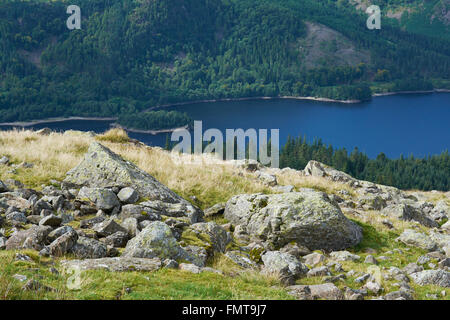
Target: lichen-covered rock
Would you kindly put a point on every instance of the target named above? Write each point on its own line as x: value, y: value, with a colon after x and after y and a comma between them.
x: 128, y: 195
x: 139, y: 212
x: 33, y: 238
x: 62, y: 244
x: 132, y: 226
x: 418, y: 239
x: 87, y: 248
x: 58, y: 232
x: 241, y: 259
x: 104, y: 199
x: 108, y: 227
x: 101, y: 168
x: 313, y: 259
x: 16, y: 217
x: 51, y: 220
x: 209, y: 235
x: 286, y: 266
x: 308, y: 218
x: 446, y: 227
x: 215, y: 210
x: 435, y: 277
x: 326, y: 291
x: 117, y: 264
x: 317, y: 169
x: 155, y: 240
x: 118, y: 239
x: 407, y: 212
x: 344, y: 256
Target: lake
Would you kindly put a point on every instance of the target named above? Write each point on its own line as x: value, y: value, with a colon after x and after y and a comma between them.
x: 417, y: 124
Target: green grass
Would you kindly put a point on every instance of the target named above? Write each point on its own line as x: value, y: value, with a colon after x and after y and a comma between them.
x: 100, y: 284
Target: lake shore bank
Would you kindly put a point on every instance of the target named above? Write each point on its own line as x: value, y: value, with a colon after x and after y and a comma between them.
x: 154, y: 132
x: 52, y: 120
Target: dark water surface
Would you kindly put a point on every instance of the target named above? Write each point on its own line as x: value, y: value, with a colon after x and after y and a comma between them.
x: 417, y: 124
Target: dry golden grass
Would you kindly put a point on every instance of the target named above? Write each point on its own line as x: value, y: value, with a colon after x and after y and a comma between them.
x: 317, y: 183
x: 57, y: 153
x: 116, y: 135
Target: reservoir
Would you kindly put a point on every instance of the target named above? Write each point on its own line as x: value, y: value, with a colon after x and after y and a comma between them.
x: 417, y: 124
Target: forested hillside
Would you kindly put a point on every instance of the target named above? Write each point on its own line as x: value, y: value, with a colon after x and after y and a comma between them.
x: 134, y: 54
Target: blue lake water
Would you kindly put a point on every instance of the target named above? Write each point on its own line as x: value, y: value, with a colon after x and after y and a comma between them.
x: 417, y: 124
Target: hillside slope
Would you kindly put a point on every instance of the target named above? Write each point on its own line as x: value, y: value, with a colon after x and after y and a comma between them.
x: 131, y: 55
x: 379, y: 242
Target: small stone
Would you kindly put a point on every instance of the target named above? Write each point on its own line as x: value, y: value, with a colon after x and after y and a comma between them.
x: 128, y: 195
x: 190, y: 267
x: 313, y: 259
x: 170, y: 264
x: 107, y: 228
x: 370, y: 259
x: 51, y: 220
x: 344, y: 256
x: 319, y: 272
x: 20, y: 277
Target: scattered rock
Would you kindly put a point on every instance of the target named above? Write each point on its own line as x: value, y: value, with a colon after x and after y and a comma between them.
x: 435, y: 277
x: 209, y: 235
x: 117, y: 264
x: 104, y: 199
x: 51, y: 220
x: 215, y: 210
x: 128, y: 195
x: 370, y: 259
x: 33, y: 238
x: 63, y: 244
x: 107, y: 228
x: 284, y: 265
x: 87, y: 248
x: 417, y: 239
x: 326, y: 291
x: 314, y: 259
x: 156, y: 240
x: 344, y: 256
x: 241, y: 259
x: 319, y: 272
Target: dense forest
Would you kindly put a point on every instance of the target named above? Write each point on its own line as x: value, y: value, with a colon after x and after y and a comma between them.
x: 430, y: 173
x: 131, y: 55
x: 155, y: 120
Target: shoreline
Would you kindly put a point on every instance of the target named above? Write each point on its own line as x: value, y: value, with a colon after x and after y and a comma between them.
x: 154, y: 132
x: 51, y: 120
x: 252, y: 98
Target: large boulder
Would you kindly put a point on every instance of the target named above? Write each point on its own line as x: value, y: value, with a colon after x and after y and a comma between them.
x: 102, y: 168
x: 308, y: 218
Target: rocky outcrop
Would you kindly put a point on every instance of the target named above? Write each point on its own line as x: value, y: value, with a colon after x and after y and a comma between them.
x: 308, y: 218
x: 102, y: 168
